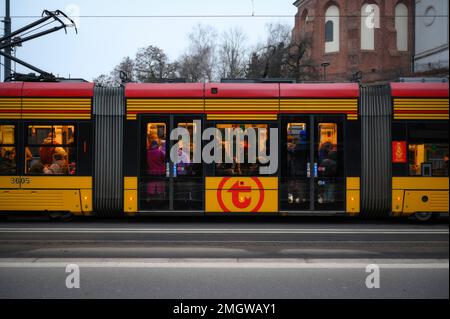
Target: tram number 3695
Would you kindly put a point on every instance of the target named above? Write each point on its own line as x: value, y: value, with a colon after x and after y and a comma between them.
x: 20, y: 180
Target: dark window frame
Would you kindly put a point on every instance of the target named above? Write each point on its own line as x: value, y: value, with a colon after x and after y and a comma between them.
x: 424, y: 140
x: 15, y: 146
x: 169, y: 182
x: 270, y: 124
x: 52, y: 124
x: 198, y: 168
x: 329, y: 31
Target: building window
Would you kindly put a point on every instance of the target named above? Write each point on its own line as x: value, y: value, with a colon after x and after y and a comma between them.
x: 7, y: 150
x: 332, y: 29
x: 50, y: 150
x: 303, y: 20
x: 370, y: 20
x: 329, y: 31
x: 401, y: 26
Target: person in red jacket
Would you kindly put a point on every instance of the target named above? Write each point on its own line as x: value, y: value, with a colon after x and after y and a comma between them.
x: 156, y: 160
x: 156, y: 166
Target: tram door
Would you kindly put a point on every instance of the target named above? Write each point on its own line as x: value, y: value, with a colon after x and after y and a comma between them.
x: 165, y: 185
x: 312, y: 171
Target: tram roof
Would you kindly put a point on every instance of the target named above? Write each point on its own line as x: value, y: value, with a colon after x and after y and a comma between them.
x: 222, y: 90
x: 164, y: 90
x: 420, y: 90
x: 41, y: 89
x: 241, y: 90
x: 319, y: 90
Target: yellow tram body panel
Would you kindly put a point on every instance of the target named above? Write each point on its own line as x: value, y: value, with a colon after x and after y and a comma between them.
x: 419, y: 194
x: 56, y: 108
x: 42, y: 193
x: 130, y: 195
x: 12, y: 108
x: 242, y: 109
x: 241, y: 194
x: 353, y: 195
x: 219, y: 194
x: 349, y: 107
x: 420, y: 109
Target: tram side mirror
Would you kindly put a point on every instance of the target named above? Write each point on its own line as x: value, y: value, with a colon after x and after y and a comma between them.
x: 214, y: 90
x: 426, y: 169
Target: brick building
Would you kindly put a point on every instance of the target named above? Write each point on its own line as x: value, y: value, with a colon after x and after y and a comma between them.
x: 372, y: 37
x: 431, y: 38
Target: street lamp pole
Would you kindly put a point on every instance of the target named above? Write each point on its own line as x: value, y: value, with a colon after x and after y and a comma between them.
x: 324, y: 65
x: 7, y: 21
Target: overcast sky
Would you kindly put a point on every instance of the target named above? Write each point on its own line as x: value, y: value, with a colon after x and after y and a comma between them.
x: 102, y: 42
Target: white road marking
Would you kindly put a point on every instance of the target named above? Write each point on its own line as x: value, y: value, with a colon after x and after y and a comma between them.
x: 254, y: 263
x: 225, y: 231
x: 224, y: 241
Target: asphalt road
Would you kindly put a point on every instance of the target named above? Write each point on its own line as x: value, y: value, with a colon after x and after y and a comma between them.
x: 236, y: 279
x: 224, y: 258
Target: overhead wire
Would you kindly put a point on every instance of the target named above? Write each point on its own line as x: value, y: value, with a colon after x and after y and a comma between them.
x: 37, y: 28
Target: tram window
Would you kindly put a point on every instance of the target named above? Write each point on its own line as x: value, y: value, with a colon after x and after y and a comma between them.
x: 434, y: 155
x: 156, y: 149
x: 51, y: 150
x: 327, y: 162
x: 186, y: 167
x: 241, y: 166
x: 428, y: 132
x: 188, y: 194
x: 297, y: 149
x: 7, y: 150
x: 295, y: 187
x: 428, y: 147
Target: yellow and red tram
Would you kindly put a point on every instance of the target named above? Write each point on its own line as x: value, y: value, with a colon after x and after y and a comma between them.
x: 339, y: 148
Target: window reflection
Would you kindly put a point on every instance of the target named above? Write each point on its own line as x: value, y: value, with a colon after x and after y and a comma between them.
x: 6, y: 134
x: 50, y: 150
x: 154, y: 194
x: 241, y: 166
x: 7, y: 150
x: 428, y: 149
x: 435, y: 156
x: 188, y: 194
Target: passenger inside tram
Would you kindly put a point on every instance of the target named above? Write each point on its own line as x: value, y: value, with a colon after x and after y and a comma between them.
x: 327, y: 163
x: 8, y: 161
x: 155, y: 159
x: 297, y: 161
x: 7, y: 150
x: 50, y: 150
x: 241, y: 166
